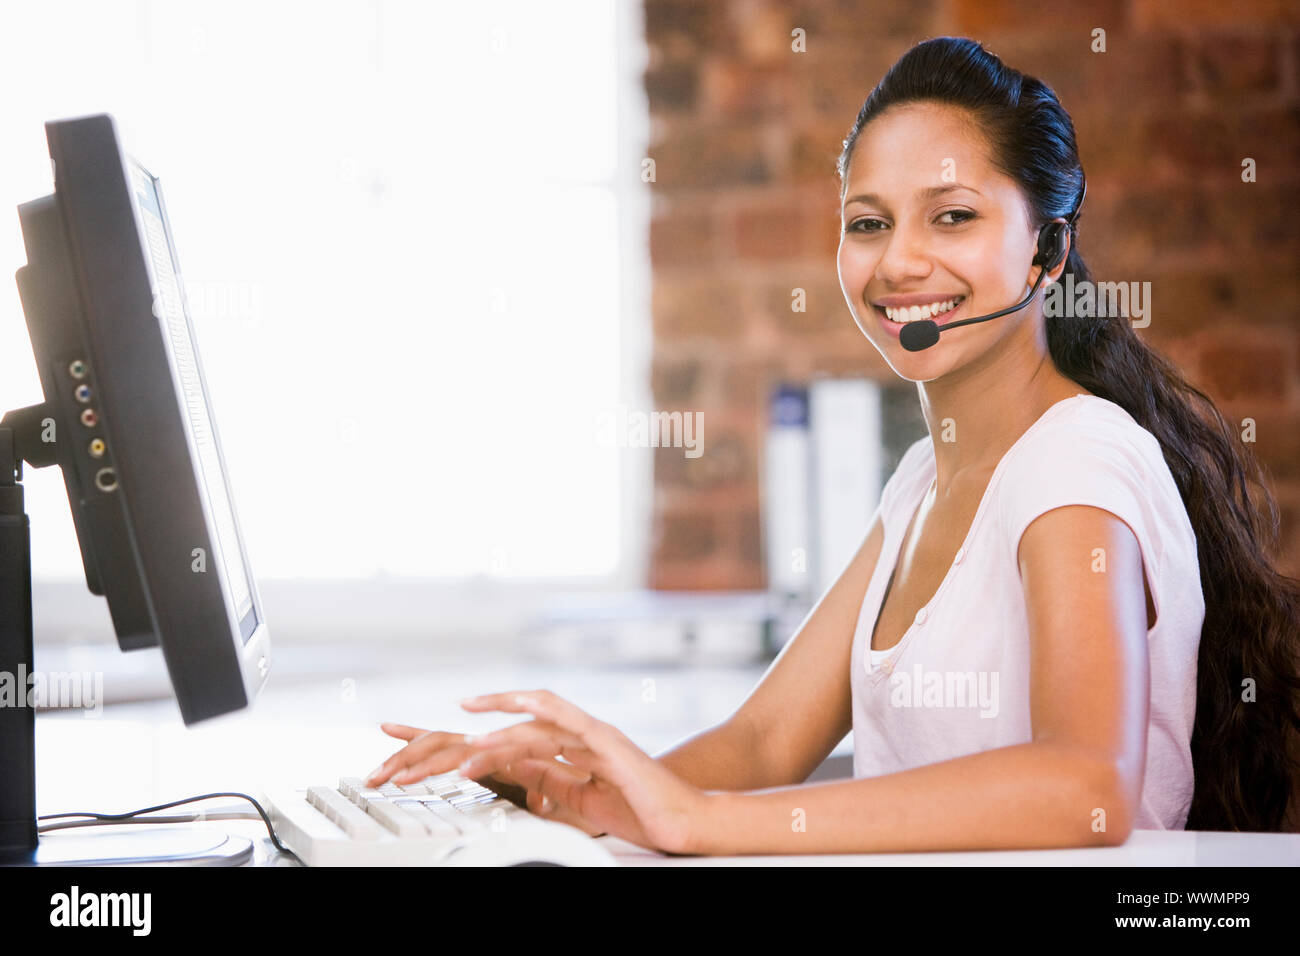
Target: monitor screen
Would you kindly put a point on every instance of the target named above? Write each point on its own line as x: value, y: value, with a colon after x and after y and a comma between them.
x: 170, y: 308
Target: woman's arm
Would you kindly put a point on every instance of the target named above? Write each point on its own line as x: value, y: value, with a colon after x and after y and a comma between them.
x: 724, y: 757
x: 802, y: 706
x: 795, y: 716
x: 1077, y: 783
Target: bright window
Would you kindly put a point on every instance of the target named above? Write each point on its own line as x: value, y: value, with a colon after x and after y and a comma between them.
x: 404, y: 239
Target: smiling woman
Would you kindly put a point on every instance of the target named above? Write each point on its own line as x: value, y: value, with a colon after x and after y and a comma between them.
x: 951, y: 110
x: 1043, y: 637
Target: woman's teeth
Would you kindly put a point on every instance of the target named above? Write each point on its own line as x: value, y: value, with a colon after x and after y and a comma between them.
x: 916, y: 313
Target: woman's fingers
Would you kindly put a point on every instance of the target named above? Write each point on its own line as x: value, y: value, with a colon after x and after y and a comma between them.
x: 532, y: 799
x: 442, y: 760
x: 558, y: 729
x: 526, y: 731
x: 543, y: 806
x: 495, y: 761
x: 621, y: 759
x: 547, y: 706
x: 430, y: 753
x: 530, y: 738
x: 553, y: 789
x: 541, y: 703
x: 540, y: 806
x: 546, y: 807
x: 402, y: 732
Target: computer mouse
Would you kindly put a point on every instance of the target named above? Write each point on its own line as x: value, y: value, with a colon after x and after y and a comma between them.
x: 531, y: 843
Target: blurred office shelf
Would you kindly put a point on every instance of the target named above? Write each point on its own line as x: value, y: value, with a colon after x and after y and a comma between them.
x: 661, y: 627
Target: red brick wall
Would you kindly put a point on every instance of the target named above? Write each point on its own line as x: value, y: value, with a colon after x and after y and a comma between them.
x: 745, y: 133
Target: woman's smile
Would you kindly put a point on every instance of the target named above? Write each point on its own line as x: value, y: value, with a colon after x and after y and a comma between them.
x: 898, y: 310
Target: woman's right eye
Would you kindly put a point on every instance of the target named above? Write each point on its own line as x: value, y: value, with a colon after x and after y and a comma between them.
x: 853, y: 226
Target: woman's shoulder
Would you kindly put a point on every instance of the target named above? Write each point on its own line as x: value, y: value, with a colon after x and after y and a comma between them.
x: 1092, y: 427
x: 1093, y: 452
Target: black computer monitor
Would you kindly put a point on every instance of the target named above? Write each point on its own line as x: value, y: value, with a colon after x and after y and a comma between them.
x: 127, y: 418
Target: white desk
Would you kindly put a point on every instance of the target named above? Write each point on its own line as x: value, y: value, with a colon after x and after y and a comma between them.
x: 136, y: 755
x: 1144, y: 848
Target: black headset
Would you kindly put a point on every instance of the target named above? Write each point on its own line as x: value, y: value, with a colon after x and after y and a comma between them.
x: 1051, y: 238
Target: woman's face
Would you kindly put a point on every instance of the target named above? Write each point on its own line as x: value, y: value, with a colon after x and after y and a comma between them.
x: 927, y: 220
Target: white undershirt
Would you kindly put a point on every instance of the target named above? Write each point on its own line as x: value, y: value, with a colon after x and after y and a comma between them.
x: 878, y: 656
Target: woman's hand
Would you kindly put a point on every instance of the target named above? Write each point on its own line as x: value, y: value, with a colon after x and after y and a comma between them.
x: 609, y: 782
x: 429, y: 753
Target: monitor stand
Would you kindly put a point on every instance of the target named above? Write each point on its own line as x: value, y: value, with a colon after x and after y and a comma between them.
x: 20, y: 844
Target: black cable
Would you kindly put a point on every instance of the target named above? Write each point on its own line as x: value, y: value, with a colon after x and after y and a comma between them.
x: 149, y: 821
x: 126, y: 817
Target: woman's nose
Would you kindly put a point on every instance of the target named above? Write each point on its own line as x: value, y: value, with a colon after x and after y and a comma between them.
x: 904, y: 259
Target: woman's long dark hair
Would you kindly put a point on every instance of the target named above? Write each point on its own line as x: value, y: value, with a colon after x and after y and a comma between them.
x: 1244, y: 767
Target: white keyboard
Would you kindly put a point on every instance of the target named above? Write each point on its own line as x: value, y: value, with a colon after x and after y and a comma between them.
x: 444, y: 820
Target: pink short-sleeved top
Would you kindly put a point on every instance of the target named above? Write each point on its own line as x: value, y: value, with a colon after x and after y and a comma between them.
x: 958, y: 681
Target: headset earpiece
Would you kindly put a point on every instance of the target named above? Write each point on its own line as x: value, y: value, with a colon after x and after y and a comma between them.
x: 1051, y: 245
x: 1052, y: 237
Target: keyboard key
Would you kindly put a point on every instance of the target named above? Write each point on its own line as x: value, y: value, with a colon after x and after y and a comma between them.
x: 360, y: 795
x: 461, y: 821
x: 350, y: 818
x: 395, y: 818
x: 464, y: 801
x: 434, y: 824
x: 440, y: 806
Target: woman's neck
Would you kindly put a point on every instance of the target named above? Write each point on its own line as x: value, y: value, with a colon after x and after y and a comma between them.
x: 975, y: 421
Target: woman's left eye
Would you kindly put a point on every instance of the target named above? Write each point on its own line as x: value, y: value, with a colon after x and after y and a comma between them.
x: 964, y: 214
